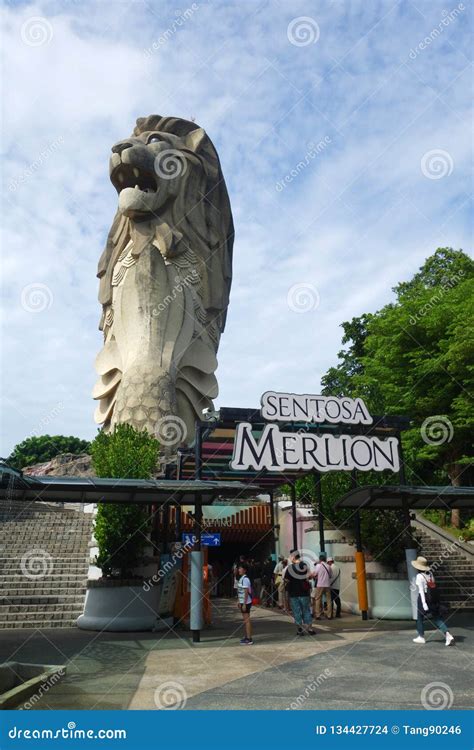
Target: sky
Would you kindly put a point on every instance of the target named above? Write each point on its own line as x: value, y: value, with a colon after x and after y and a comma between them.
x: 344, y: 135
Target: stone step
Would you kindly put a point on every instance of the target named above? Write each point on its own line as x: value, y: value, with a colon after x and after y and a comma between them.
x: 77, y: 557
x: 38, y: 624
x: 39, y: 585
x: 18, y: 569
x: 10, y: 611
x: 41, y: 614
x: 46, y: 598
x: 57, y: 550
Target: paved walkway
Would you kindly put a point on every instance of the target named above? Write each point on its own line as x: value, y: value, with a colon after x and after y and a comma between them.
x: 348, y: 664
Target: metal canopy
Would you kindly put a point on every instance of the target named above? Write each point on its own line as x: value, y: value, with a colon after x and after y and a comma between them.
x: 389, y: 497
x: 16, y: 486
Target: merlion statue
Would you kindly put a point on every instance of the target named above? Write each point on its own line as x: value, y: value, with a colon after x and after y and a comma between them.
x: 165, y: 277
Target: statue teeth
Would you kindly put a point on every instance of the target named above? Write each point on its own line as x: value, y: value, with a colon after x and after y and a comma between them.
x: 136, y: 172
x: 137, y: 187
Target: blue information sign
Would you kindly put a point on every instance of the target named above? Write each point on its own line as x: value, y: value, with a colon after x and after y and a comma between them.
x: 207, y: 540
x: 211, y: 540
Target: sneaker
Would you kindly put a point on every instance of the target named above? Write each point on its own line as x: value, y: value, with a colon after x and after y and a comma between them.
x: 449, y: 639
x: 300, y: 631
x: 249, y: 642
x: 244, y: 641
x: 311, y: 631
x: 419, y: 639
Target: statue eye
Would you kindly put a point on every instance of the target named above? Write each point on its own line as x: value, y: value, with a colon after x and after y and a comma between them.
x: 153, y: 139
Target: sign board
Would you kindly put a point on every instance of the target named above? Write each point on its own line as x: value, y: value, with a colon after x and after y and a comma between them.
x: 277, y: 450
x: 207, y: 539
x: 211, y: 540
x: 292, y: 407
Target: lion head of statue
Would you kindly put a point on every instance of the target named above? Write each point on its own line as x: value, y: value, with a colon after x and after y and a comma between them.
x: 169, y: 249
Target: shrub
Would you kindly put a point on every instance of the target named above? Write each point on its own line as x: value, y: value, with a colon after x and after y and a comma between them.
x: 120, y: 530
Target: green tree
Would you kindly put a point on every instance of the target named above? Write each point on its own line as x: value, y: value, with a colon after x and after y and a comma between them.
x: 40, y: 448
x: 415, y: 357
x: 120, y: 530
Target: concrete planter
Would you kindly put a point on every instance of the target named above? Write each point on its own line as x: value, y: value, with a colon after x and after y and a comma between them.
x: 121, y: 606
x: 26, y: 683
x: 389, y: 596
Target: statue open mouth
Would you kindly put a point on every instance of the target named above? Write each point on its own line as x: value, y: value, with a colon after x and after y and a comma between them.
x: 126, y: 176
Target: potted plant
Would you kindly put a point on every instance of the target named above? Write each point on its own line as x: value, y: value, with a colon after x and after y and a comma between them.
x: 119, y: 600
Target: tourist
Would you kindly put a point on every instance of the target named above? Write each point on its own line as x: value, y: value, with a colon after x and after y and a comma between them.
x: 235, y: 569
x: 298, y: 587
x: 335, y: 587
x: 267, y: 584
x: 256, y: 578
x: 278, y: 579
x: 428, y: 604
x: 322, y: 573
x: 244, y: 602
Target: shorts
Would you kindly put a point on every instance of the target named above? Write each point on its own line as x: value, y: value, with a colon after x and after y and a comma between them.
x: 245, y: 608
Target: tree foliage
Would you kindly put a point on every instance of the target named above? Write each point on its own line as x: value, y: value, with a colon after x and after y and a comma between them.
x: 40, y: 448
x: 120, y: 530
x: 414, y: 357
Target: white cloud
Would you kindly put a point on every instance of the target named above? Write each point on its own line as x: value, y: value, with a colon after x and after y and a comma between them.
x: 355, y: 221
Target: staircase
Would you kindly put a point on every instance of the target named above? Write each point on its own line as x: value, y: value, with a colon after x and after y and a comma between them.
x: 452, y: 566
x: 44, y: 561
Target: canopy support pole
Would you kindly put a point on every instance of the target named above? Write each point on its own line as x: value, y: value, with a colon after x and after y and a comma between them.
x: 319, y: 497
x: 196, y: 564
x: 360, y: 562
x: 411, y: 550
x: 293, y: 515
x: 272, y: 524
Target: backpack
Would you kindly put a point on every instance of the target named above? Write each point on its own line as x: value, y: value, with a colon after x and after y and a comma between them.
x: 432, y: 594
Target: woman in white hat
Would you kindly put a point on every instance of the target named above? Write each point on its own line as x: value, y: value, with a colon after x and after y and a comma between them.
x: 428, y: 601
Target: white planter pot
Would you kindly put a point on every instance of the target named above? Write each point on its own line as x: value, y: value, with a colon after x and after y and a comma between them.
x: 122, y: 608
